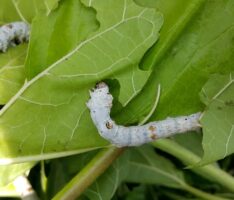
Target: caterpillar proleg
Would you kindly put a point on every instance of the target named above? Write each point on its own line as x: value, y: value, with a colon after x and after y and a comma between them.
x: 12, y: 34
x: 100, y: 104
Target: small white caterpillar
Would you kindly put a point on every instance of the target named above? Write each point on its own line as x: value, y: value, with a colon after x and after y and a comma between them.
x: 100, y: 105
x: 12, y: 34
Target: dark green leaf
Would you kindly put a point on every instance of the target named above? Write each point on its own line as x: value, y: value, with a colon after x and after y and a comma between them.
x: 106, y: 185
x: 148, y: 167
x: 218, y: 119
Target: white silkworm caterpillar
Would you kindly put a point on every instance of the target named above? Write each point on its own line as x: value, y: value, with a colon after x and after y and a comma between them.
x: 100, y: 105
x: 12, y: 34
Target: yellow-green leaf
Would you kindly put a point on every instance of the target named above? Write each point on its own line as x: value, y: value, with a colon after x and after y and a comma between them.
x: 48, y: 116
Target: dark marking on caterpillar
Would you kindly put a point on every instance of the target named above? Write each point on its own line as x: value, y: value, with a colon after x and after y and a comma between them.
x: 109, y: 125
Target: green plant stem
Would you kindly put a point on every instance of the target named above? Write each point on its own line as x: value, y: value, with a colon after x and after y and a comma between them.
x: 199, y: 193
x: 209, y: 171
x: 88, y: 174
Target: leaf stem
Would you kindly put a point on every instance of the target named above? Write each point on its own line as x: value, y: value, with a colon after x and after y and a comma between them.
x: 200, y: 193
x: 209, y: 171
x: 88, y: 174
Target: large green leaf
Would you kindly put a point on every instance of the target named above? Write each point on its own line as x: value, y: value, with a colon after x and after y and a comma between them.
x: 24, y: 10
x: 12, y: 62
x: 62, y: 170
x: 106, y: 185
x: 10, y: 172
x: 177, y: 15
x: 48, y: 116
x: 12, y: 73
x: 218, y: 119
x: 201, y: 50
x: 8, y: 12
x: 70, y: 27
x: 148, y: 167
x: 9, y: 191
